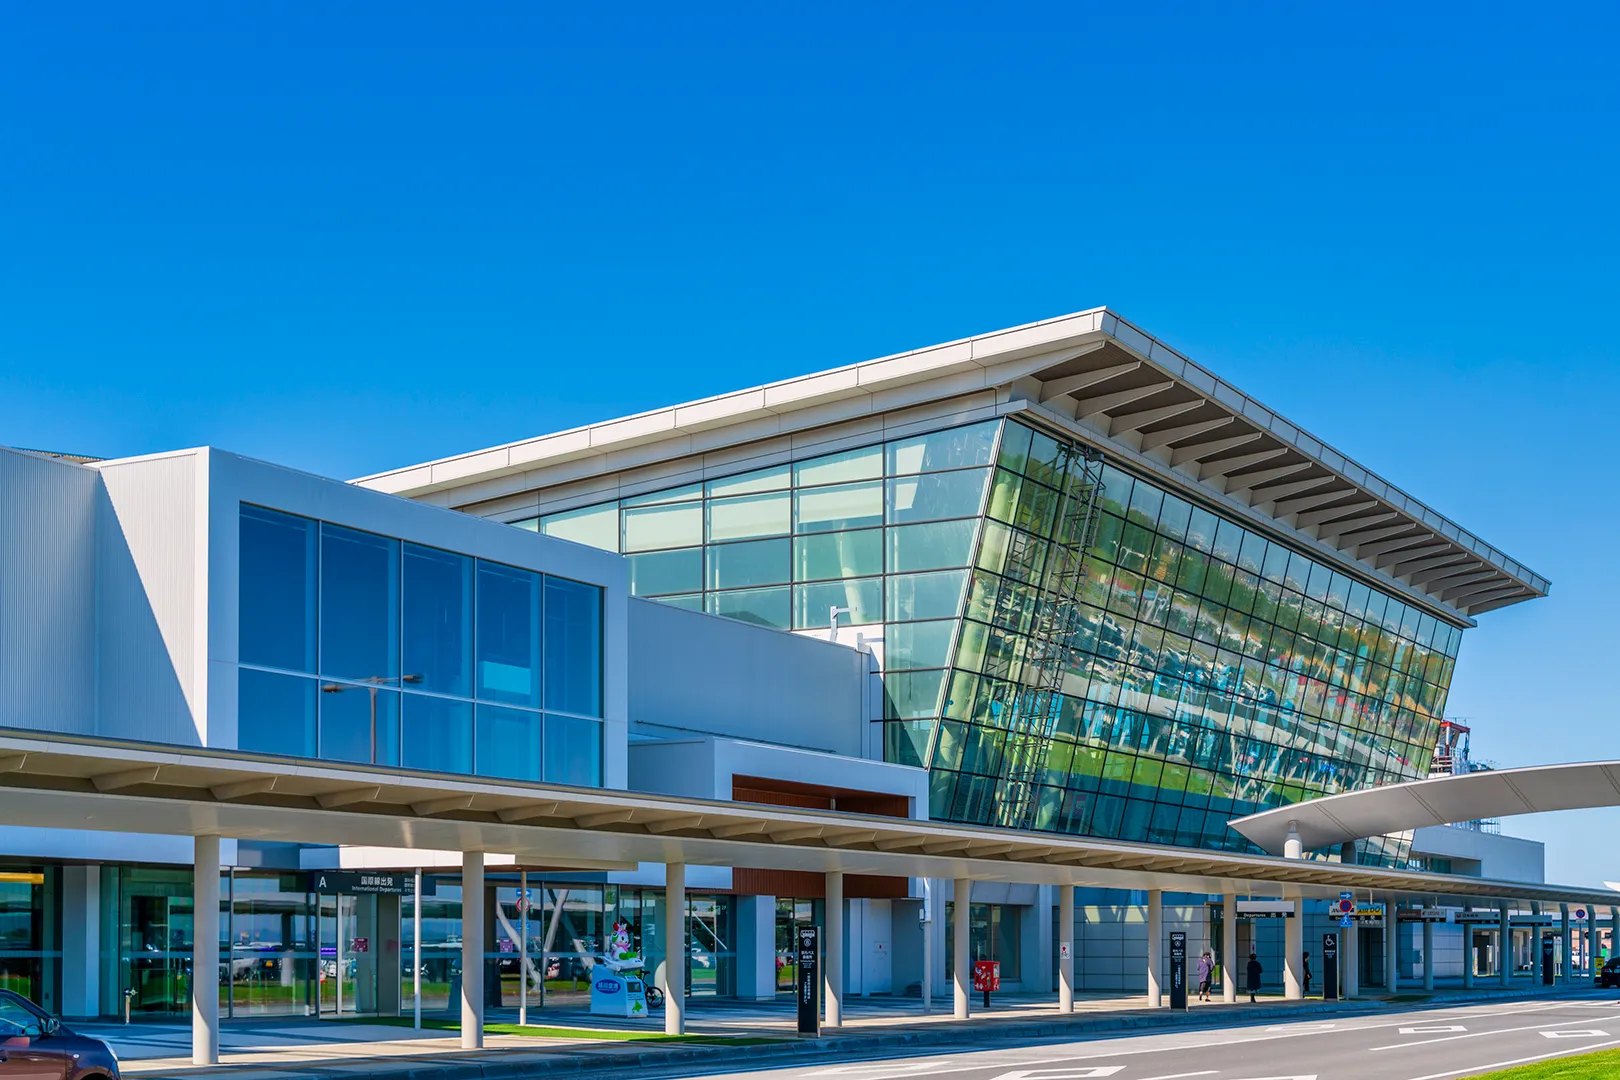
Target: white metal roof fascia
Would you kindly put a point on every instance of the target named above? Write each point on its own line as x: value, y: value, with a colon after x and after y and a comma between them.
x: 991, y: 356
x: 79, y: 782
x: 1443, y: 800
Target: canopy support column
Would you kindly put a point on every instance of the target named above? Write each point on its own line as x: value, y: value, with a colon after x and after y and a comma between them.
x: 205, y: 951
x: 1229, y: 956
x: 1504, y: 947
x: 834, y: 949
x: 675, y: 949
x: 1294, y: 953
x: 961, y: 962
x: 1155, y: 946
x: 1066, y: 948
x: 472, y: 950
x: 1428, y: 955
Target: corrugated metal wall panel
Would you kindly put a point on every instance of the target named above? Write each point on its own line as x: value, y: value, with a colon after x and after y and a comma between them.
x: 47, y: 594
x: 147, y: 556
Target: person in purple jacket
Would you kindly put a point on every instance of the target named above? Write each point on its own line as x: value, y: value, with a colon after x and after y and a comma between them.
x: 1206, y: 973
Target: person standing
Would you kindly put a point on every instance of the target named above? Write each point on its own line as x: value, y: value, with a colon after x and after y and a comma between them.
x: 1307, y: 974
x: 1254, y: 976
x: 1206, y: 972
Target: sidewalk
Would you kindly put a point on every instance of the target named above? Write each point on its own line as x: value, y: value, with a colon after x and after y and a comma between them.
x: 720, y: 1033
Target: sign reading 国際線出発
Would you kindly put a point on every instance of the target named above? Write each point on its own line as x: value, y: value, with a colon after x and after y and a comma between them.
x: 382, y: 882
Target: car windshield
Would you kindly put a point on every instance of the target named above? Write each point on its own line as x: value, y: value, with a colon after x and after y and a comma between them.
x: 19, y: 1016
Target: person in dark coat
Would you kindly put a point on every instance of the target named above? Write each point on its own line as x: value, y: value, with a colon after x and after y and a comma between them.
x: 1307, y: 974
x: 1254, y: 976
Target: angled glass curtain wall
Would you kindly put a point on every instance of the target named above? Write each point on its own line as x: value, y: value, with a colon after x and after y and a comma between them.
x: 886, y: 532
x: 366, y: 648
x: 1215, y: 673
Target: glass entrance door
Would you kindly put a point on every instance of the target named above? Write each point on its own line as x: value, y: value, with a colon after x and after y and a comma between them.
x: 346, y: 928
x: 159, y: 929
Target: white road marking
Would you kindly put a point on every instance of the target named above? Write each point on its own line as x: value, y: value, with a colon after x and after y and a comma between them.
x: 1089, y: 1072
x: 1305, y: 1027
x: 1178, y: 1076
x: 1452, y: 1038
x: 1440, y: 1030
x: 1472, y: 1069
x: 1574, y: 1034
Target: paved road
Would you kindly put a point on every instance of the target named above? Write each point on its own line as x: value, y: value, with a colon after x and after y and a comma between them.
x: 1402, y: 1044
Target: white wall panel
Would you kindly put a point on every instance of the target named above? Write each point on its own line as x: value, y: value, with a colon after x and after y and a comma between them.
x: 47, y: 594
x: 150, y: 560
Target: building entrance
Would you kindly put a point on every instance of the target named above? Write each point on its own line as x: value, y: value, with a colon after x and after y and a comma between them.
x: 790, y: 915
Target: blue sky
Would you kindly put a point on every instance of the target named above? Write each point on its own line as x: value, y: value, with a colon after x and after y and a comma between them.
x: 353, y: 241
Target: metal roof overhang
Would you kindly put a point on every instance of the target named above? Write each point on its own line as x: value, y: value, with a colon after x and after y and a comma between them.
x: 72, y: 782
x: 1443, y: 800
x: 1099, y: 377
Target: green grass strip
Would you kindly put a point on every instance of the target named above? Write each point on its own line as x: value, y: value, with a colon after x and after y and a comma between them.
x: 1603, y: 1065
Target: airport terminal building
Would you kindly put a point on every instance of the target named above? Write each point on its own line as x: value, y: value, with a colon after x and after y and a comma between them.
x: 1057, y: 581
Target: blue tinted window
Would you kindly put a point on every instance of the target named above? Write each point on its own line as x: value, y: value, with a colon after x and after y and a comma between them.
x: 275, y: 714
x: 359, y: 604
x: 276, y: 590
x: 573, y: 645
x: 660, y: 573
x: 436, y: 734
x: 508, y: 743
x: 573, y: 751
x: 508, y: 634
x: 359, y: 723
x: 436, y: 604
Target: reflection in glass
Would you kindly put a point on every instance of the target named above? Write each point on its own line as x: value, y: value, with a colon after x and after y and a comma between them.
x: 508, y: 743
x: 849, y: 506
x: 750, y: 515
x: 275, y: 714
x: 573, y: 646
x: 277, y: 590
x: 359, y: 604
x: 573, y: 753
x: 767, y: 607
x: 757, y: 562
x: 508, y: 634
x: 825, y: 556
x: 594, y: 526
x: 436, y: 734
x: 671, y: 526
x: 359, y: 723
x: 936, y: 495
x: 862, y: 597
x: 660, y: 572
x: 436, y: 603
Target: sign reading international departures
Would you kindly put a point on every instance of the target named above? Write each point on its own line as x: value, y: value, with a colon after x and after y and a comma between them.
x: 379, y: 882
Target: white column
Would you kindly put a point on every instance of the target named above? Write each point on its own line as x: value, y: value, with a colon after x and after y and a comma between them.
x: 1229, y: 956
x: 675, y: 949
x: 1392, y: 947
x: 523, y: 947
x: 1350, y: 959
x: 961, y: 963
x: 416, y: 953
x: 205, y: 951
x: 1293, y: 847
x: 1504, y: 948
x: 1294, y: 953
x: 1567, y: 968
x: 1428, y: 955
x: 472, y: 950
x: 81, y: 940
x: 1066, y: 948
x: 833, y: 950
x: 1155, y: 946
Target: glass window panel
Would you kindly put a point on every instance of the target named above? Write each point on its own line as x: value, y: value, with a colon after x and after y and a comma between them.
x: 689, y: 493
x: 359, y: 723
x: 751, y: 515
x: 848, y: 506
x: 812, y: 603
x: 918, y: 645
x: 1228, y: 538
x: 838, y: 555
x: 508, y: 742
x: 1145, y: 502
x: 276, y: 597
x: 594, y: 526
x: 1116, y: 490
x: 1201, y: 528
x: 653, y: 527
x: 436, y: 734
x: 775, y: 478
x: 359, y: 604
x: 912, y: 695
x: 1275, y: 567
x: 508, y: 634
x: 1015, y: 439
x: 1298, y: 572
x: 907, y: 743
x: 740, y: 566
x: 933, y: 546
x: 1004, y: 495
x: 766, y: 607
x: 275, y: 714
x: 1045, y: 458
x: 573, y: 646
x: 927, y: 596
x: 956, y: 448
x: 436, y: 610
x: 1106, y: 544
x: 573, y: 752
x: 1037, y: 509
x: 936, y: 495
x: 863, y: 464
x: 661, y: 572
x: 1174, y: 516
x: 691, y: 601
x: 1252, y: 552
x: 527, y: 524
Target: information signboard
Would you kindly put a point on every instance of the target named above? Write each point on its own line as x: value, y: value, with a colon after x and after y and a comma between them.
x: 1178, y: 971
x: 352, y: 882
x: 1547, y: 958
x: 1330, y: 967
x: 808, y: 980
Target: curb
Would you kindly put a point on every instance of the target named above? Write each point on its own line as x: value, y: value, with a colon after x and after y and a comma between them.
x: 825, y: 1047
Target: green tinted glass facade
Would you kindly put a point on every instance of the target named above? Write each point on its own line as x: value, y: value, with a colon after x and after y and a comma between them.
x: 1208, y: 672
